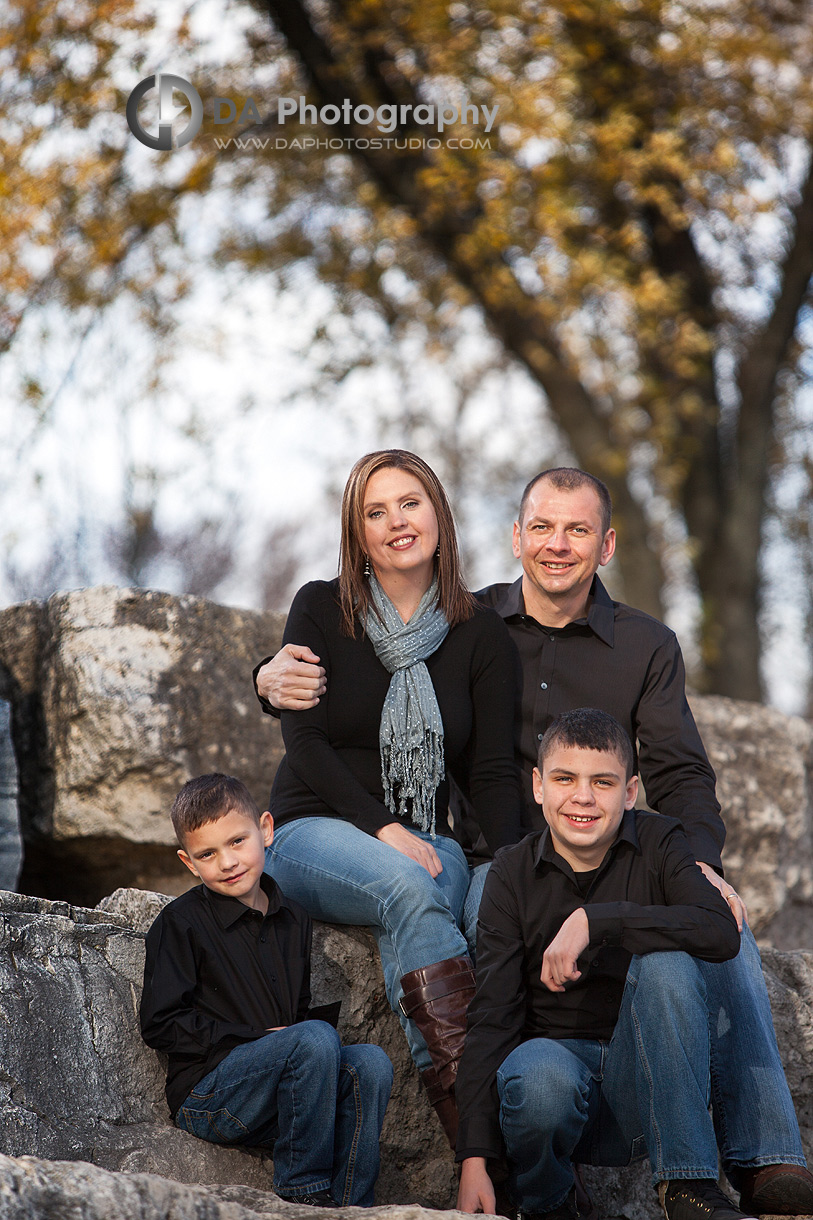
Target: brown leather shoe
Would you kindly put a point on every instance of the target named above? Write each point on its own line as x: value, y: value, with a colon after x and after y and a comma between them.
x: 777, y: 1190
x: 436, y: 998
x: 443, y: 1102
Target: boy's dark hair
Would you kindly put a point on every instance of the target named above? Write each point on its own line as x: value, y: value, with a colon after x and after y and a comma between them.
x: 587, y: 728
x: 208, y: 798
x: 570, y: 478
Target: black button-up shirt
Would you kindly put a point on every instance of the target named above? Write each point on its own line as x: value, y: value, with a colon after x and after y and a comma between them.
x: 218, y: 974
x: 648, y: 895
x: 629, y: 664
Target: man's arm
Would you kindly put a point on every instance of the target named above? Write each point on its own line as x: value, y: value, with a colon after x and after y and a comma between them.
x: 678, y: 777
x: 290, y: 681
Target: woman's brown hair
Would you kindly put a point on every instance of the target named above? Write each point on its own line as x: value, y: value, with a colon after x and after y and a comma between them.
x: 454, y: 598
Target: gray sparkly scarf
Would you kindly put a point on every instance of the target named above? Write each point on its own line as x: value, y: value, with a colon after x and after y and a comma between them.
x: 411, y: 732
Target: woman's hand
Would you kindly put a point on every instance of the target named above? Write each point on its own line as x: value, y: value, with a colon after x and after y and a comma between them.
x: 403, y: 840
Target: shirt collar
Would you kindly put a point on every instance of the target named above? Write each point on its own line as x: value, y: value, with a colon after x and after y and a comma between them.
x: 228, y: 910
x: 546, y: 853
x: 600, y: 610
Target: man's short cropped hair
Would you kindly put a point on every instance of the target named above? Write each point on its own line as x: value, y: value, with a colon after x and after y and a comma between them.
x: 587, y: 728
x: 208, y: 798
x: 570, y: 478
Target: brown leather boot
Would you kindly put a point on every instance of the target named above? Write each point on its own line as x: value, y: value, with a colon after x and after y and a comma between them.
x: 444, y: 1104
x: 436, y: 998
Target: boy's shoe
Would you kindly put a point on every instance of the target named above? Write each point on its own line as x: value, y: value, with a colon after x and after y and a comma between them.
x: 697, y: 1199
x: 319, y: 1198
x: 777, y: 1190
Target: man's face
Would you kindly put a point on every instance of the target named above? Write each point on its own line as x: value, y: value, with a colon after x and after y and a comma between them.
x: 583, y: 794
x: 561, y: 544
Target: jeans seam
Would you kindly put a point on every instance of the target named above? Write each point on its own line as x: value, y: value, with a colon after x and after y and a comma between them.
x: 352, y: 1155
x: 644, y: 1062
x: 189, y: 1111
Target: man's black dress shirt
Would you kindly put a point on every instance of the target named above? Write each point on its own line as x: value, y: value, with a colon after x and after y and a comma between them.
x: 648, y: 895
x: 629, y: 664
x: 218, y: 974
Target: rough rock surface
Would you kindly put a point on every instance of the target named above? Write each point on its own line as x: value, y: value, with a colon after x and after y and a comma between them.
x: 33, y: 1189
x: 764, y: 765
x: 77, y: 1082
x: 118, y: 697
x: 11, y: 847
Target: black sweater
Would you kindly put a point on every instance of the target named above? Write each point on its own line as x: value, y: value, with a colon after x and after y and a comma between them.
x: 332, y: 767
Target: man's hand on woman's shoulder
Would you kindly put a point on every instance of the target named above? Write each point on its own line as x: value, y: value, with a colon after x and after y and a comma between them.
x: 293, y: 679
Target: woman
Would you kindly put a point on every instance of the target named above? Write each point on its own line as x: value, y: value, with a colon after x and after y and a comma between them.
x: 420, y: 684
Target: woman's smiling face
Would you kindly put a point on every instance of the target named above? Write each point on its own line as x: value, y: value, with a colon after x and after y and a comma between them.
x: 400, y: 525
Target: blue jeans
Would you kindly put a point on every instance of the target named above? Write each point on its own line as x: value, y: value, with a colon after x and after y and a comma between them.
x: 318, y: 1104
x: 340, y: 874
x: 646, y: 1090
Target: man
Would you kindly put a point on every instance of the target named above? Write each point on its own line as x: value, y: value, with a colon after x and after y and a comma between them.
x: 578, y: 648
x: 588, y: 1033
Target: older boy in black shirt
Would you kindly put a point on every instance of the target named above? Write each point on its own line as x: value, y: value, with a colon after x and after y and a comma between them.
x: 227, y: 998
x: 588, y: 1036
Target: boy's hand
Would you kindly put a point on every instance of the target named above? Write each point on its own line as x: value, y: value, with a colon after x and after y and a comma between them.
x: 293, y: 679
x: 561, y: 955
x: 476, y: 1191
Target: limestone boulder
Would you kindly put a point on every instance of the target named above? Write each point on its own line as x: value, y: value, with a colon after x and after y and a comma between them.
x: 764, y: 764
x: 32, y: 1189
x: 118, y: 697
x: 11, y: 847
x: 77, y: 1083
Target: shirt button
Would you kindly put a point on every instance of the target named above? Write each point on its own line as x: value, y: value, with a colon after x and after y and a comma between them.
x: 544, y: 685
x: 263, y: 939
x: 539, y: 736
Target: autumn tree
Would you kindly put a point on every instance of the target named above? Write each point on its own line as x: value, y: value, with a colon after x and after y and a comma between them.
x: 89, y: 218
x: 638, y: 235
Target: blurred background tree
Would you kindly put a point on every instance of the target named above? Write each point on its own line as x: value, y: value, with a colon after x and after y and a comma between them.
x: 620, y: 278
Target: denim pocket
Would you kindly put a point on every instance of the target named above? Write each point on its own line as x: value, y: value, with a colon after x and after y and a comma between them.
x: 216, y: 1126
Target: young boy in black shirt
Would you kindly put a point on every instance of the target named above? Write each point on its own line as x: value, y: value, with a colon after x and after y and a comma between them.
x: 227, y: 999
x: 589, y: 1035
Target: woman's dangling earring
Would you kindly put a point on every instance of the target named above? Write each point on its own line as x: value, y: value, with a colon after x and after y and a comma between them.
x: 367, y: 569
x: 437, y: 551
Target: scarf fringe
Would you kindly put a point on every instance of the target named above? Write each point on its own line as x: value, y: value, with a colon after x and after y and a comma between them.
x: 416, y: 774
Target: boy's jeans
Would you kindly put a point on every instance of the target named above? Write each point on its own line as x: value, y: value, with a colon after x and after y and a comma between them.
x: 646, y: 1090
x: 319, y: 1104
